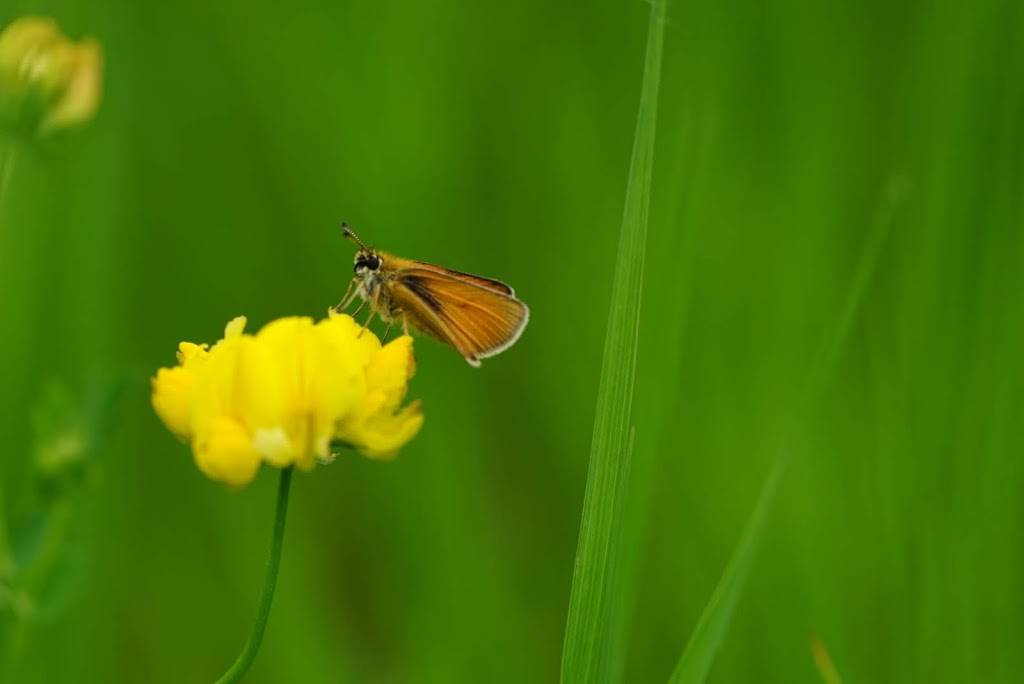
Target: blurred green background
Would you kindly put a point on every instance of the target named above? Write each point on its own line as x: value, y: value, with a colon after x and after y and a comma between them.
x: 495, y: 137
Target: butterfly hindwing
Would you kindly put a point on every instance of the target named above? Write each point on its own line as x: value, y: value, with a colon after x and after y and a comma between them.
x: 477, y: 316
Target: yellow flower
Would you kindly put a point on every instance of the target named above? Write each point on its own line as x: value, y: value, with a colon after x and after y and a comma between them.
x: 374, y: 424
x: 47, y: 81
x: 283, y: 395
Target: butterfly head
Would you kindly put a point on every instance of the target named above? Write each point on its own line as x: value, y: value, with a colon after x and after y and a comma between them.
x: 367, y: 261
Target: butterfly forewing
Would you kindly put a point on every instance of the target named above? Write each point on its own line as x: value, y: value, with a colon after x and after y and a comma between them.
x: 477, y: 316
x: 486, y: 283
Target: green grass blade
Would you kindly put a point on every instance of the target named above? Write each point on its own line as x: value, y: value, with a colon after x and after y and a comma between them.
x: 700, y: 652
x: 829, y: 354
x: 672, y: 247
x: 589, y: 633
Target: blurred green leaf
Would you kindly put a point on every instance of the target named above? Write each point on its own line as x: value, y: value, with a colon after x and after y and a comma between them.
x: 61, y: 441
x: 700, y: 651
x: 695, y: 663
x: 47, y: 554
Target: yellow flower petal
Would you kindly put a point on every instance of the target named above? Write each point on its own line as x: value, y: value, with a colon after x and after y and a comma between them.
x: 235, y: 327
x: 23, y: 43
x: 188, y: 352
x: 383, y: 433
x: 309, y: 376
x: 173, y: 390
x: 172, y: 399
x: 226, y: 383
x: 82, y: 88
x: 373, y: 427
x: 223, y: 451
x: 390, y: 369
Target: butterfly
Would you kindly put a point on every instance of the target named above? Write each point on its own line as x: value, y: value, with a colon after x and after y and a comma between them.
x: 478, y: 317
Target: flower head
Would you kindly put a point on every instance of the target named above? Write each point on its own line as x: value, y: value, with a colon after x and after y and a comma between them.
x: 283, y: 395
x: 47, y: 81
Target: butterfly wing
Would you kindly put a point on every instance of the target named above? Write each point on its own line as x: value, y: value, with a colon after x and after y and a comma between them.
x: 480, y: 281
x: 479, y: 321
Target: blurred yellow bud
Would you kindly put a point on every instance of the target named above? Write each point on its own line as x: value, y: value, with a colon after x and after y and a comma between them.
x: 47, y: 82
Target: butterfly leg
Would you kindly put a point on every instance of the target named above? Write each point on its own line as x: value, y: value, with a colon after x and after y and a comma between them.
x: 387, y: 331
x: 405, y: 324
x: 350, y: 294
x: 359, y: 308
x: 367, y: 323
x: 374, y: 308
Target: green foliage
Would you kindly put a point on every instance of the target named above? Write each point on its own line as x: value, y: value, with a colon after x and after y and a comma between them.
x: 496, y: 138
x: 695, y: 663
x: 43, y: 552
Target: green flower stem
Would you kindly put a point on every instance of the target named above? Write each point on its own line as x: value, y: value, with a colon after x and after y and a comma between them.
x: 6, y: 566
x: 6, y: 168
x: 252, y: 646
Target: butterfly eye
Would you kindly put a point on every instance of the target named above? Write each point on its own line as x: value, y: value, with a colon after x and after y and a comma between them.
x: 373, y: 262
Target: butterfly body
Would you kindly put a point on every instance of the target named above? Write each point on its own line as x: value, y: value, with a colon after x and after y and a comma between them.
x: 478, y: 316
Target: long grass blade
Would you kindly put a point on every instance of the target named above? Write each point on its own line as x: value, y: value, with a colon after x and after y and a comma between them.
x: 589, y: 632
x: 672, y: 247
x: 695, y: 663
x: 707, y: 637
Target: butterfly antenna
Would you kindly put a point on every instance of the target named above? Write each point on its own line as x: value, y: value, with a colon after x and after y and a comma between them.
x: 351, y: 235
